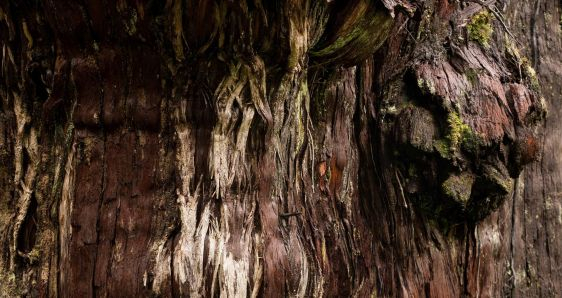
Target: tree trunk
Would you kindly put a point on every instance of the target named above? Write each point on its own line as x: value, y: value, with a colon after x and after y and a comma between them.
x: 280, y: 148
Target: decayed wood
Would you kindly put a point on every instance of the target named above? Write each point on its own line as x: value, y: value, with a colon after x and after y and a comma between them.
x: 279, y: 148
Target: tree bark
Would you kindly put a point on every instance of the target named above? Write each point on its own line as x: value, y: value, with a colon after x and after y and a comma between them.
x: 280, y: 148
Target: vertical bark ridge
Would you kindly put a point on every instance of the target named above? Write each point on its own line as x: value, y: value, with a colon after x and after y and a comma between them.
x: 266, y: 148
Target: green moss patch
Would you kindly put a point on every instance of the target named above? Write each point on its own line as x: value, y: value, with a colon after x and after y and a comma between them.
x: 459, y: 135
x: 480, y: 28
x: 458, y: 130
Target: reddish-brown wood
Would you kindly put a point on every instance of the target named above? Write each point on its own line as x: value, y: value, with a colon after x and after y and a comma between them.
x: 280, y: 148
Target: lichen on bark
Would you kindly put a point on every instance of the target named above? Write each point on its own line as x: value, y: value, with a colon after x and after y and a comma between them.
x: 261, y: 148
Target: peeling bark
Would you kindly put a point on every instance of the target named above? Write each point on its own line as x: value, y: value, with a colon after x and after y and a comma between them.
x: 280, y: 148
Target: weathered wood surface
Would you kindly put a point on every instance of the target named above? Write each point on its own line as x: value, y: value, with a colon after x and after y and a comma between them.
x: 280, y: 148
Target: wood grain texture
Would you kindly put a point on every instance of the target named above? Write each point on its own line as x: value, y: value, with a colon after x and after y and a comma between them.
x: 280, y: 148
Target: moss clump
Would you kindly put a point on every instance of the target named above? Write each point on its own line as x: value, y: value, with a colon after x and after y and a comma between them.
x: 480, y: 28
x: 426, y: 86
x: 459, y: 135
x: 458, y: 130
x: 458, y: 188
